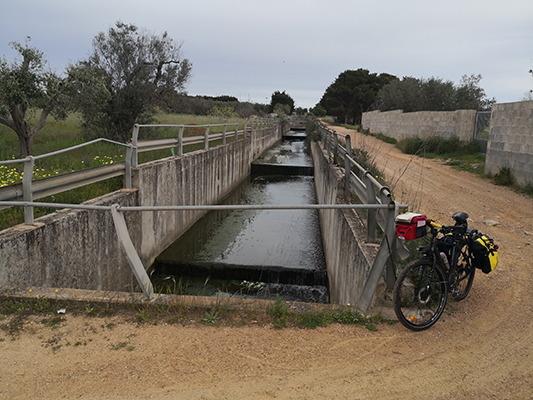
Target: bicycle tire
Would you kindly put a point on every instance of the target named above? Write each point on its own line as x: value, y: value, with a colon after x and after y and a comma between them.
x: 464, y: 274
x: 415, y: 308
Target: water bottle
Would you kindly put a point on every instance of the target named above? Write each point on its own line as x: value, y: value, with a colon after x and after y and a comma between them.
x: 445, y: 259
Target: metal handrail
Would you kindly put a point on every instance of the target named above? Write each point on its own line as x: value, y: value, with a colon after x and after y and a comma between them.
x: 179, y: 141
x: 366, y: 187
x: 30, y: 190
x: 208, y: 207
x: 125, y: 240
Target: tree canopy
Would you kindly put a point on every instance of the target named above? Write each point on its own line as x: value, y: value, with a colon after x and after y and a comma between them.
x: 433, y: 94
x: 26, y: 86
x: 140, y: 69
x: 281, y: 99
x: 352, y: 93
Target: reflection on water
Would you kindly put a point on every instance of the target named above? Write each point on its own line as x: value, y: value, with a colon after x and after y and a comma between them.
x: 289, y: 238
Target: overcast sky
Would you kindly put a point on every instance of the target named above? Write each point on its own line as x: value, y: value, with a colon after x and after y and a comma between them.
x: 249, y: 49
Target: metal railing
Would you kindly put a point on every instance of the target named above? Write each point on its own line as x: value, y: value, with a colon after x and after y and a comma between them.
x: 180, y: 141
x: 370, y: 192
x: 127, y: 245
x: 365, y: 186
x: 30, y: 190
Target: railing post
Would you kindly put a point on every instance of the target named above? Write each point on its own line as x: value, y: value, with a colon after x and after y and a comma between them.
x: 237, y: 132
x: 134, y: 139
x: 349, y: 145
x: 207, y: 137
x: 347, y: 177
x: 180, y: 141
x: 27, y: 191
x: 224, y: 134
x: 390, y: 231
x: 336, y: 149
x: 127, y: 171
x: 371, y: 215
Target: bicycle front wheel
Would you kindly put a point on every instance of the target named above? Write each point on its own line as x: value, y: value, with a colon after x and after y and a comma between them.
x: 420, y: 295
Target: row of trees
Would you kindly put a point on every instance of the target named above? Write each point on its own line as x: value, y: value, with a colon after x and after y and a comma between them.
x: 358, y: 91
x: 127, y: 74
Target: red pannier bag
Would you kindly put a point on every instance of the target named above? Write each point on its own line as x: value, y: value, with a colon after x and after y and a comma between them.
x: 411, y: 226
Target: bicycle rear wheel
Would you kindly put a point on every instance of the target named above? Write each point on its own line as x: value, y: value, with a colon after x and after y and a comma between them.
x: 463, y: 277
x: 420, y: 295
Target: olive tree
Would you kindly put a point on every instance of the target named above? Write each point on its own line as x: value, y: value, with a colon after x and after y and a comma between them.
x: 140, y: 69
x: 26, y: 87
x: 433, y: 94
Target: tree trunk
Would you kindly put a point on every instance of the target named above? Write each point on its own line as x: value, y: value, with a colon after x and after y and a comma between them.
x: 23, y: 130
x: 25, y: 145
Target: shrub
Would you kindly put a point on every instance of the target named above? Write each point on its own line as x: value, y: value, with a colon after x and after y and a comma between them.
x: 504, y: 177
x: 410, y: 145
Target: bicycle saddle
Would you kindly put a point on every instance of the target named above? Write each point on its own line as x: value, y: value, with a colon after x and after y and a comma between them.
x: 460, y: 218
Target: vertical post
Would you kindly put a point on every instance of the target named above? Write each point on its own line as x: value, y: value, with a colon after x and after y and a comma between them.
x: 349, y: 145
x: 207, y: 137
x: 224, y: 134
x: 180, y: 141
x: 390, y: 232
x: 134, y: 139
x: 336, y: 149
x: 371, y: 214
x: 133, y: 258
x: 237, y: 132
x: 347, y: 176
x: 127, y: 172
x: 27, y: 191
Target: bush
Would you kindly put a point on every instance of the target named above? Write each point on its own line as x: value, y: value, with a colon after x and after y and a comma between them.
x: 528, y: 189
x: 410, y: 145
x: 504, y: 177
x: 436, y: 145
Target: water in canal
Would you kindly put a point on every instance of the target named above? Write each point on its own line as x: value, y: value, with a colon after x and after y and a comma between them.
x: 254, y: 253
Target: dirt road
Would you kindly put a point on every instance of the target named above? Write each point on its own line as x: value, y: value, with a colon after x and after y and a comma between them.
x: 481, y: 348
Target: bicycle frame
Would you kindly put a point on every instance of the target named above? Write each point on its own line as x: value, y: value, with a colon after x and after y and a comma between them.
x: 457, y: 237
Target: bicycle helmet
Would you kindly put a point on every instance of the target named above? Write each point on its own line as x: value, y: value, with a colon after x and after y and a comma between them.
x: 460, y: 218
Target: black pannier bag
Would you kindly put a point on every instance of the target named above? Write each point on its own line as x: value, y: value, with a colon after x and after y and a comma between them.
x: 484, y: 253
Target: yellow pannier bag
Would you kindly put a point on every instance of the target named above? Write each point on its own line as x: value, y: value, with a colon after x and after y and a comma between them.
x: 484, y: 253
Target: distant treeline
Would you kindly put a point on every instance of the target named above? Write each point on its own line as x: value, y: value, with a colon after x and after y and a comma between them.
x: 201, y: 105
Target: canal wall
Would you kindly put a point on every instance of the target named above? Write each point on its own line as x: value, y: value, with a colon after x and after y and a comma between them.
x: 347, y: 256
x: 79, y: 249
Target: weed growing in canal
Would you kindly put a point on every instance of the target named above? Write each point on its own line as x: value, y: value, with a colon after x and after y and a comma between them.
x: 279, y: 311
x: 211, y: 317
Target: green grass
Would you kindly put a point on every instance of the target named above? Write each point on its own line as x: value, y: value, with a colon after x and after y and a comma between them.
x: 459, y: 155
x: 15, y: 313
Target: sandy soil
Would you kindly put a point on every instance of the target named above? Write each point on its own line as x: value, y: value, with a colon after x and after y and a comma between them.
x: 481, y: 348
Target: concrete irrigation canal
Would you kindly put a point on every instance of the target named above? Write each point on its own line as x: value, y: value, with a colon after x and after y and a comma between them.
x: 255, y: 253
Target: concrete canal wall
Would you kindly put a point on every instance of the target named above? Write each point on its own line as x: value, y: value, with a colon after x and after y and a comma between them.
x: 348, y: 259
x: 79, y: 249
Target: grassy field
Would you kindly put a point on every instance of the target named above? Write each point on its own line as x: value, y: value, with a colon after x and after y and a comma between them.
x: 58, y: 135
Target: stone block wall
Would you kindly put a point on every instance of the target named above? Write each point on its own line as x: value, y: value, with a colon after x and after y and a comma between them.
x: 511, y: 140
x: 422, y: 124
